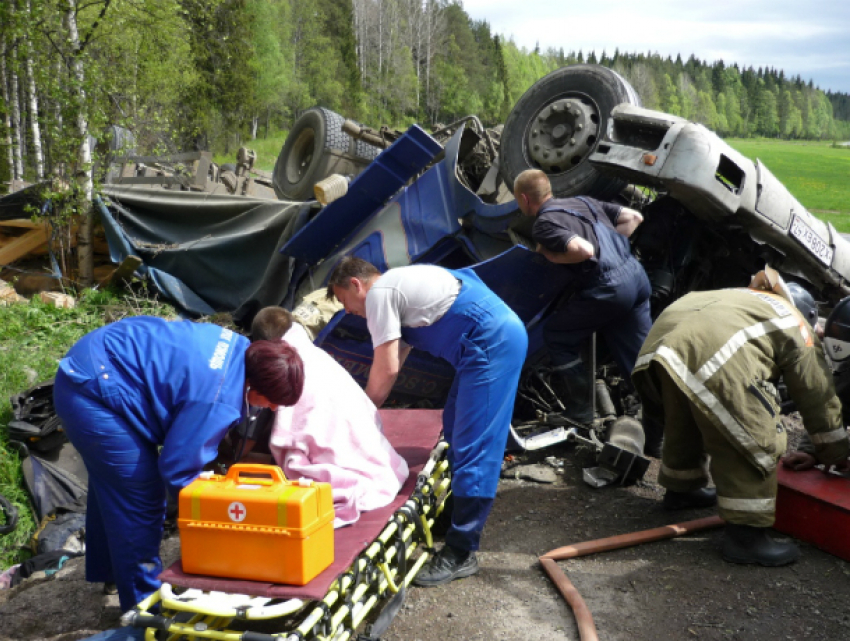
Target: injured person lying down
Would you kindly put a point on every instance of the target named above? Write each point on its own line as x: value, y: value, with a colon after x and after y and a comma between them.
x: 334, y: 433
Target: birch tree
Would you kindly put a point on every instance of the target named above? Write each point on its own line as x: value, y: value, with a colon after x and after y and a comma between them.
x: 13, y: 102
x: 7, y: 118
x: 33, y: 100
x: 83, y: 170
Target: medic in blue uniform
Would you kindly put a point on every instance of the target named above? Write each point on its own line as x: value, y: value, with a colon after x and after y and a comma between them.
x: 130, y: 388
x: 590, y: 238
x: 451, y: 314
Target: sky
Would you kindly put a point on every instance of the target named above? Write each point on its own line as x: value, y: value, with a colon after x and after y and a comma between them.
x: 806, y: 37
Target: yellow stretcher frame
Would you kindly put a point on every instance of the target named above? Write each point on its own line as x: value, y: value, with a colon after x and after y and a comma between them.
x: 378, y: 576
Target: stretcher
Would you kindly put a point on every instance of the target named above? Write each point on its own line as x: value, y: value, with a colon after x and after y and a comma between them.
x: 375, y: 560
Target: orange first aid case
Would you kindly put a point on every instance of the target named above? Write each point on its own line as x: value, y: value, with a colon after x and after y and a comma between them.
x: 255, y: 524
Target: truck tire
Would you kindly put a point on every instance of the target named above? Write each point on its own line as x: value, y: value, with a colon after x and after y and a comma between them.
x: 558, y: 123
x: 316, y: 148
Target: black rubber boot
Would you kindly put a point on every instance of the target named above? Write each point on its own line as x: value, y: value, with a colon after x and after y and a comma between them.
x: 445, y: 566
x: 747, y: 544
x: 704, y: 497
x: 653, y: 437
x: 577, y: 401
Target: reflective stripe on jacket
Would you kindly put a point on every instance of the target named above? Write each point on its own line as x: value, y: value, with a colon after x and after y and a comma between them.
x: 726, y: 350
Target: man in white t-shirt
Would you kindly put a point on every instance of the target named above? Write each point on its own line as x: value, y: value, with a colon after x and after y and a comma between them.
x: 451, y: 314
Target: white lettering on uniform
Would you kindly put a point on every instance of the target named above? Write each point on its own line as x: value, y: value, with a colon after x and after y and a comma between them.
x: 217, y: 360
x: 778, y: 306
x: 220, y: 353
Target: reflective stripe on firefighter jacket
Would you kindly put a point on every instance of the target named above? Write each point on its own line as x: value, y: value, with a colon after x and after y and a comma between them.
x: 726, y: 350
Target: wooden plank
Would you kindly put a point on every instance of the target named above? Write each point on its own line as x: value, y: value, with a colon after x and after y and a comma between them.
x: 184, y: 157
x: 125, y: 270
x: 22, y: 245
x: 150, y: 180
x: 21, y: 222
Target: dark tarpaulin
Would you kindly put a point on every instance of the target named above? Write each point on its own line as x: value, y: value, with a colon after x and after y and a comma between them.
x: 206, y: 253
x: 14, y: 205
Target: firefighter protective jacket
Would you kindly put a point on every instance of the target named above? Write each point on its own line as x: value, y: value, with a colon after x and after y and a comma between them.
x: 726, y: 351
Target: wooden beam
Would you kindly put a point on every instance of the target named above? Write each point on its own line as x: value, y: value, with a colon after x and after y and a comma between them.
x: 22, y: 245
x: 125, y: 270
x: 21, y: 222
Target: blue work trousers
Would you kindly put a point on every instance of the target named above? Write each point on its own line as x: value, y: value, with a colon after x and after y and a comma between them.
x: 486, y: 343
x: 617, y: 309
x: 126, y: 496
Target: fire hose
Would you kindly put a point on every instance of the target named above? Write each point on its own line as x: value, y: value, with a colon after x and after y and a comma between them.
x: 584, y: 619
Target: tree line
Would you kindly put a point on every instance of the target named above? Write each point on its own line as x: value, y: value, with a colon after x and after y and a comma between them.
x: 210, y: 74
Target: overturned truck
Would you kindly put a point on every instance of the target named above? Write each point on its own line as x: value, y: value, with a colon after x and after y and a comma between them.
x: 713, y: 218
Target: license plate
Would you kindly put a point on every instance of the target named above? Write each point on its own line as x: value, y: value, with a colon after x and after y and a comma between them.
x: 811, y: 241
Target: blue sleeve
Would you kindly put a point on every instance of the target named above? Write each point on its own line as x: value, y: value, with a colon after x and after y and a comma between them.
x: 192, y: 441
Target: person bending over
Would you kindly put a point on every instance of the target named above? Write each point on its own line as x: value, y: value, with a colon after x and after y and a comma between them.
x: 453, y: 315
x: 146, y: 402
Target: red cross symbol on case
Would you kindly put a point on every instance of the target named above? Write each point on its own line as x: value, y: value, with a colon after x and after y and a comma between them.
x: 236, y: 511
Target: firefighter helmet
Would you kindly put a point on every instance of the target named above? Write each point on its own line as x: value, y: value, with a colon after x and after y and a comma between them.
x: 804, y: 302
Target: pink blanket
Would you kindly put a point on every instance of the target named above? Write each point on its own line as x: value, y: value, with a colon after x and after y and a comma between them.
x: 334, y: 435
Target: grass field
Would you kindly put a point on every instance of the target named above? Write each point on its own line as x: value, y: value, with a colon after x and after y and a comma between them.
x: 33, y: 338
x: 816, y: 173
x: 267, y: 150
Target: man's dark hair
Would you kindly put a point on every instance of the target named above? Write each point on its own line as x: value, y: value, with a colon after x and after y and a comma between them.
x: 270, y: 324
x: 350, y: 267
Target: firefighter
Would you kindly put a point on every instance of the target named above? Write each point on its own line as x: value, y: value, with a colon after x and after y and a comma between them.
x: 708, y: 373
x: 453, y: 315
x: 590, y: 238
x: 146, y: 402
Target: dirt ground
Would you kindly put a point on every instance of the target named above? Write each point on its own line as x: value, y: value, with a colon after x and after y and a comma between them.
x: 675, y: 589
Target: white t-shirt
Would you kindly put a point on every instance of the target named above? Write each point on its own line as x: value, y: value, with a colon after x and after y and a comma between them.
x: 412, y: 296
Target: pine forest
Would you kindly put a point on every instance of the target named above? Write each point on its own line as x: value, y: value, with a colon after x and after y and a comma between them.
x: 212, y: 74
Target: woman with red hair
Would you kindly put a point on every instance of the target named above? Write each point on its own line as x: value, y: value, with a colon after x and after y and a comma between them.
x: 146, y: 402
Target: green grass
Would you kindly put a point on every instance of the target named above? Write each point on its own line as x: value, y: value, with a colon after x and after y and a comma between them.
x: 816, y: 173
x: 33, y: 338
x: 267, y: 150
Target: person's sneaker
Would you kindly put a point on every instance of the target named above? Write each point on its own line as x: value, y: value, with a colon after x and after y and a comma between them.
x: 110, y: 588
x: 746, y: 544
x: 447, y: 565
x: 704, y: 497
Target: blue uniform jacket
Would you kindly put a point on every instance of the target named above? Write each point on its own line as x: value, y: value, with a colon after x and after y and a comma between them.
x: 177, y: 384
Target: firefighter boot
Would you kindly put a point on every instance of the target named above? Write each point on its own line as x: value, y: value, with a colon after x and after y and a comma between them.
x: 653, y: 437
x: 748, y: 544
x: 703, y: 497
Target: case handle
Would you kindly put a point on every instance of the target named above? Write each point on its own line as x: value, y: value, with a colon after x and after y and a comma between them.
x: 256, y: 473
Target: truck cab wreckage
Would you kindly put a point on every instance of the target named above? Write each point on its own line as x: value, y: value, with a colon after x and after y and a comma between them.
x: 712, y: 219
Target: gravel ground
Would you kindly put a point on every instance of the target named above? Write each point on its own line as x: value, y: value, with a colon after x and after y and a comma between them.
x: 675, y: 589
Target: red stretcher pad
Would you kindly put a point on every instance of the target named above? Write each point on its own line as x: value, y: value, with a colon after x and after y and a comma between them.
x: 815, y: 507
x: 413, y: 434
